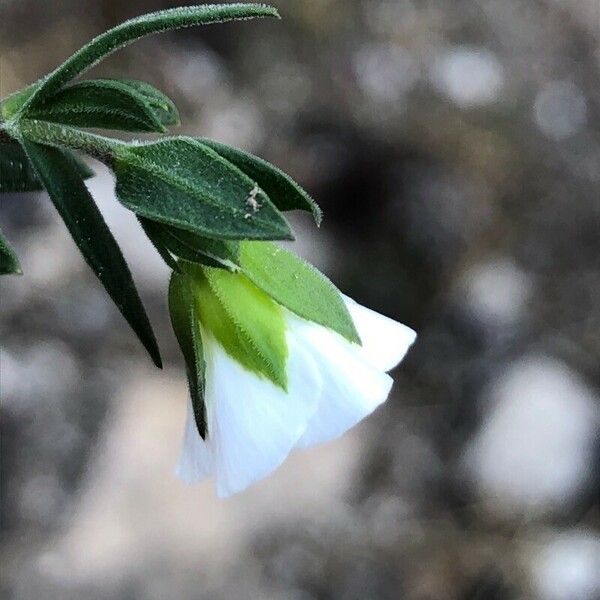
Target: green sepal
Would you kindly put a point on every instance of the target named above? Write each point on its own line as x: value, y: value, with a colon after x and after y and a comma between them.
x: 134, y: 29
x: 17, y: 173
x: 108, y: 104
x: 9, y: 262
x: 180, y: 182
x: 187, y: 331
x: 283, y: 191
x: 244, y: 320
x: 90, y: 232
x: 298, y: 286
x: 191, y: 246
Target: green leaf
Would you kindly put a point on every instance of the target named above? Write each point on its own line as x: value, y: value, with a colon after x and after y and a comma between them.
x: 107, y: 104
x: 191, y: 246
x: 9, y: 263
x: 129, y: 31
x: 187, y: 330
x: 283, y: 191
x: 75, y: 205
x: 298, y: 286
x: 244, y: 320
x: 17, y: 174
x: 183, y: 183
x: 154, y: 235
x: 164, y: 108
x: 11, y: 105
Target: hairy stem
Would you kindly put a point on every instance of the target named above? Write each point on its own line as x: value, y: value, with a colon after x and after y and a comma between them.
x: 97, y: 146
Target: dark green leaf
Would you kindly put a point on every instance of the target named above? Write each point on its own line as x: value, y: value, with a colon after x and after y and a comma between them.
x: 187, y: 330
x: 129, y: 31
x: 164, y: 108
x: 12, y: 104
x: 183, y: 183
x: 17, y: 174
x: 153, y: 233
x: 9, y: 263
x: 103, y: 103
x: 191, y: 246
x: 283, y: 191
x: 297, y: 285
x: 75, y: 205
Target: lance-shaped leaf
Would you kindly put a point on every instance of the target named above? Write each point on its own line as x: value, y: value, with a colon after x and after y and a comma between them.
x: 187, y: 330
x: 164, y: 108
x: 297, y: 285
x: 84, y: 221
x: 191, y: 246
x: 153, y: 233
x: 283, y: 191
x: 108, y: 104
x: 17, y: 174
x: 129, y: 31
x: 183, y: 183
x: 9, y: 263
x: 12, y: 104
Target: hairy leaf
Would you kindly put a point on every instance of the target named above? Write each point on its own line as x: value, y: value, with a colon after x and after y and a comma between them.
x: 191, y: 246
x: 164, y: 108
x: 17, y: 174
x: 183, y: 183
x: 245, y: 321
x: 186, y: 326
x: 9, y: 263
x: 297, y: 285
x: 153, y: 233
x: 129, y: 31
x: 12, y: 104
x: 107, y: 104
x: 78, y: 210
x: 283, y: 191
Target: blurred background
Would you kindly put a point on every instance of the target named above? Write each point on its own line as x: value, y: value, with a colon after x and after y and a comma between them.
x: 455, y: 148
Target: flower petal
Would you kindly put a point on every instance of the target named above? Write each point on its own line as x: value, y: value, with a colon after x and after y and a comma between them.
x: 385, y: 342
x: 255, y: 424
x: 195, y: 461
x: 352, y: 387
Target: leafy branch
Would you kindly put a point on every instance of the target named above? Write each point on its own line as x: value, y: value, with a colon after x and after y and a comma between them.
x: 196, y: 199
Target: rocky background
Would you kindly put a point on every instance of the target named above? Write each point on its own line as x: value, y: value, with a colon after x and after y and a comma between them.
x: 455, y: 148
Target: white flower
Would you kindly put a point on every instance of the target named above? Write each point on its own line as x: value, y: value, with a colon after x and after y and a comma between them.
x: 253, y: 424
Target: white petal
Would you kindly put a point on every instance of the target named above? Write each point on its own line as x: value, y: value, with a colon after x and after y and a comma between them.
x: 255, y: 423
x: 195, y: 461
x: 352, y: 387
x: 385, y: 342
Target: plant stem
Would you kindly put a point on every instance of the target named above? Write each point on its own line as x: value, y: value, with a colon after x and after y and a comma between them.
x: 97, y: 146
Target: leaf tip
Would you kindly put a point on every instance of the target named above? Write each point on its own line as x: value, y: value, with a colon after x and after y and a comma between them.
x: 156, y: 358
x: 269, y: 11
x: 317, y: 214
x: 289, y: 235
